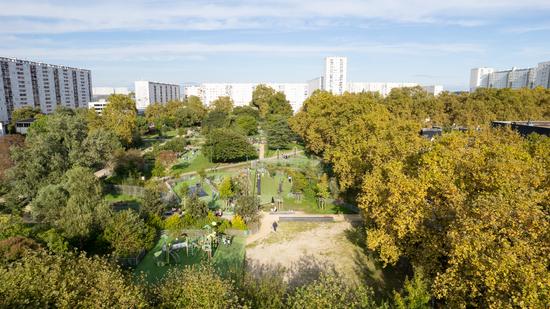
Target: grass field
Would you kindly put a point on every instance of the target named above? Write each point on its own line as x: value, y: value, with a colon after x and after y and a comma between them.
x: 196, y: 163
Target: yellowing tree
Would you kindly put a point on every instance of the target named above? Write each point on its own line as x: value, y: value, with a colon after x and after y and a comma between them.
x: 120, y: 117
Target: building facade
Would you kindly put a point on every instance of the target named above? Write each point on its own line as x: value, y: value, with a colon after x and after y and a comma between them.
x: 241, y: 93
x: 148, y: 92
x: 98, y: 106
x: 40, y: 85
x: 335, y: 78
x: 514, y: 78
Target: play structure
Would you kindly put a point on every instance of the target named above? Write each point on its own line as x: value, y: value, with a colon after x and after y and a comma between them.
x: 194, y: 242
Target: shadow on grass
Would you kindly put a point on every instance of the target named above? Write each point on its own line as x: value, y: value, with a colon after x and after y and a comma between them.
x: 384, y: 279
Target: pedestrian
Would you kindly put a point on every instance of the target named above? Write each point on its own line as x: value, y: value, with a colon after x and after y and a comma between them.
x: 275, y: 225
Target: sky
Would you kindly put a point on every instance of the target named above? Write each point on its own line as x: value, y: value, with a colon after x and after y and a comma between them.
x: 184, y: 41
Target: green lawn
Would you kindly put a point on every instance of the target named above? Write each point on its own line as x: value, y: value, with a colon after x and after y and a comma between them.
x: 123, y: 201
x: 290, y: 148
x: 197, y: 162
x: 229, y: 260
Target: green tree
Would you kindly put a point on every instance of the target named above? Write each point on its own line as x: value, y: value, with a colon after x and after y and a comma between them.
x: 157, y: 114
x: 226, y: 188
x: 195, y: 207
x: 214, y: 120
x: 279, y: 134
x: 195, y: 287
x: 120, y: 117
x: 223, y: 104
x: 227, y: 146
x: 330, y: 291
x: 248, y: 208
x: 415, y: 295
x: 246, y: 124
x: 40, y: 280
x: 128, y: 234
x: 269, y: 102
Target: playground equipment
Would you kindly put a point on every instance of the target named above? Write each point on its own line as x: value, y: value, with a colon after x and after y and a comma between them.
x: 206, y: 240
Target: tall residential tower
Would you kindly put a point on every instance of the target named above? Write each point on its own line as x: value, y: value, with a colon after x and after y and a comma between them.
x: 152, y: 92
x: 335, y: 78
x: 39, y: 85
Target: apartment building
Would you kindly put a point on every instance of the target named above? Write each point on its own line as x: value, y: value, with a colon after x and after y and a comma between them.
x: 148, y: 92
x: 538, y: 76
x: 40, y: 85
x: 335, y: 75
x: 241, y: 93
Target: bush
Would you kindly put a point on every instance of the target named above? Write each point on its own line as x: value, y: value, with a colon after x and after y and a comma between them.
x: 238, y: 223
x: 128, y: 234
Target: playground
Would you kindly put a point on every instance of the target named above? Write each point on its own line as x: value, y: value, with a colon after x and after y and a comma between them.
x: 190, y: 247
x: 272, y: 181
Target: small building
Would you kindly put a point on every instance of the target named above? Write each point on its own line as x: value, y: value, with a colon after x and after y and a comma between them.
x: 431, y: 133
x: 22, y: 126
x: 98, y: 106
x: 525, y: 127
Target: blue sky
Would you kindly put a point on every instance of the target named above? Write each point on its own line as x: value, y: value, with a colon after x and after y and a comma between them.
x: 429, y: 42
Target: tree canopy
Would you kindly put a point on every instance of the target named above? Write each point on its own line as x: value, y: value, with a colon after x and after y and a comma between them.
x: 227, y: 146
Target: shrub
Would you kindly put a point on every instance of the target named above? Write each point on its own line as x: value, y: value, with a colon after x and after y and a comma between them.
x: 238, y: 223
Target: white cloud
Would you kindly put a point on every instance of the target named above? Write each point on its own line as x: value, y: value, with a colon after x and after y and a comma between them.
x: 198, y: 51
x: 51, y: 16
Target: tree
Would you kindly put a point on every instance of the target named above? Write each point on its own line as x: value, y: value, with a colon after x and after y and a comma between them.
x: 120, y: 117
x: 246, y: 124
x: 415, y: 294
x: 128, y: 234
x: 40, y: 280
x: 448, y: 209
x: 152, y: 202
x: 157, y: 114
x: 195, y: 287
x: 279, y: 134
x: 54, y: 144
x: 14, y: 248
x: 214, y: 120
x: 227, y: 146
x: 330, y: 291
x: 223, y: 104
x: 248, y: 208
x: 260, y: 99
x: 85, y: 209
x: 279, y: 105
x: 195, y: 207
x: 246, y: 111
x: 269, y: 102
x: 226, y: 188
x: 323, y: 190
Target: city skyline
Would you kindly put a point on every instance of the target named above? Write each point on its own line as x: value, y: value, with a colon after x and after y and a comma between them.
x: 424, y: 42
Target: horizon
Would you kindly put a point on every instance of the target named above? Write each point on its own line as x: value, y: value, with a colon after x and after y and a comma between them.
x: 425, y: 42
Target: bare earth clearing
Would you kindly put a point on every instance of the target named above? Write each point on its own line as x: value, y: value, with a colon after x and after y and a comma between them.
x: 306, y: 248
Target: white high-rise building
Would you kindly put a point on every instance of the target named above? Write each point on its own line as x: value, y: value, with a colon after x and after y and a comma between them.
x: 335, y: 78
x: 542, y: 75
x: 514, y: 78
x: 39, y: 85
x: 148, y: 92
x: 241, y: 93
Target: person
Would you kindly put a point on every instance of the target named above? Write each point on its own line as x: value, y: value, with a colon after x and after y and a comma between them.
x: 275, y: 225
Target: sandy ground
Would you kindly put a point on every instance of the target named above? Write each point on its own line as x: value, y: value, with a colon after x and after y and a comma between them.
x: 301, y: 247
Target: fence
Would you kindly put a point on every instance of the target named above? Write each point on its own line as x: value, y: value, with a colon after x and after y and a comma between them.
x: 132, y: 261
